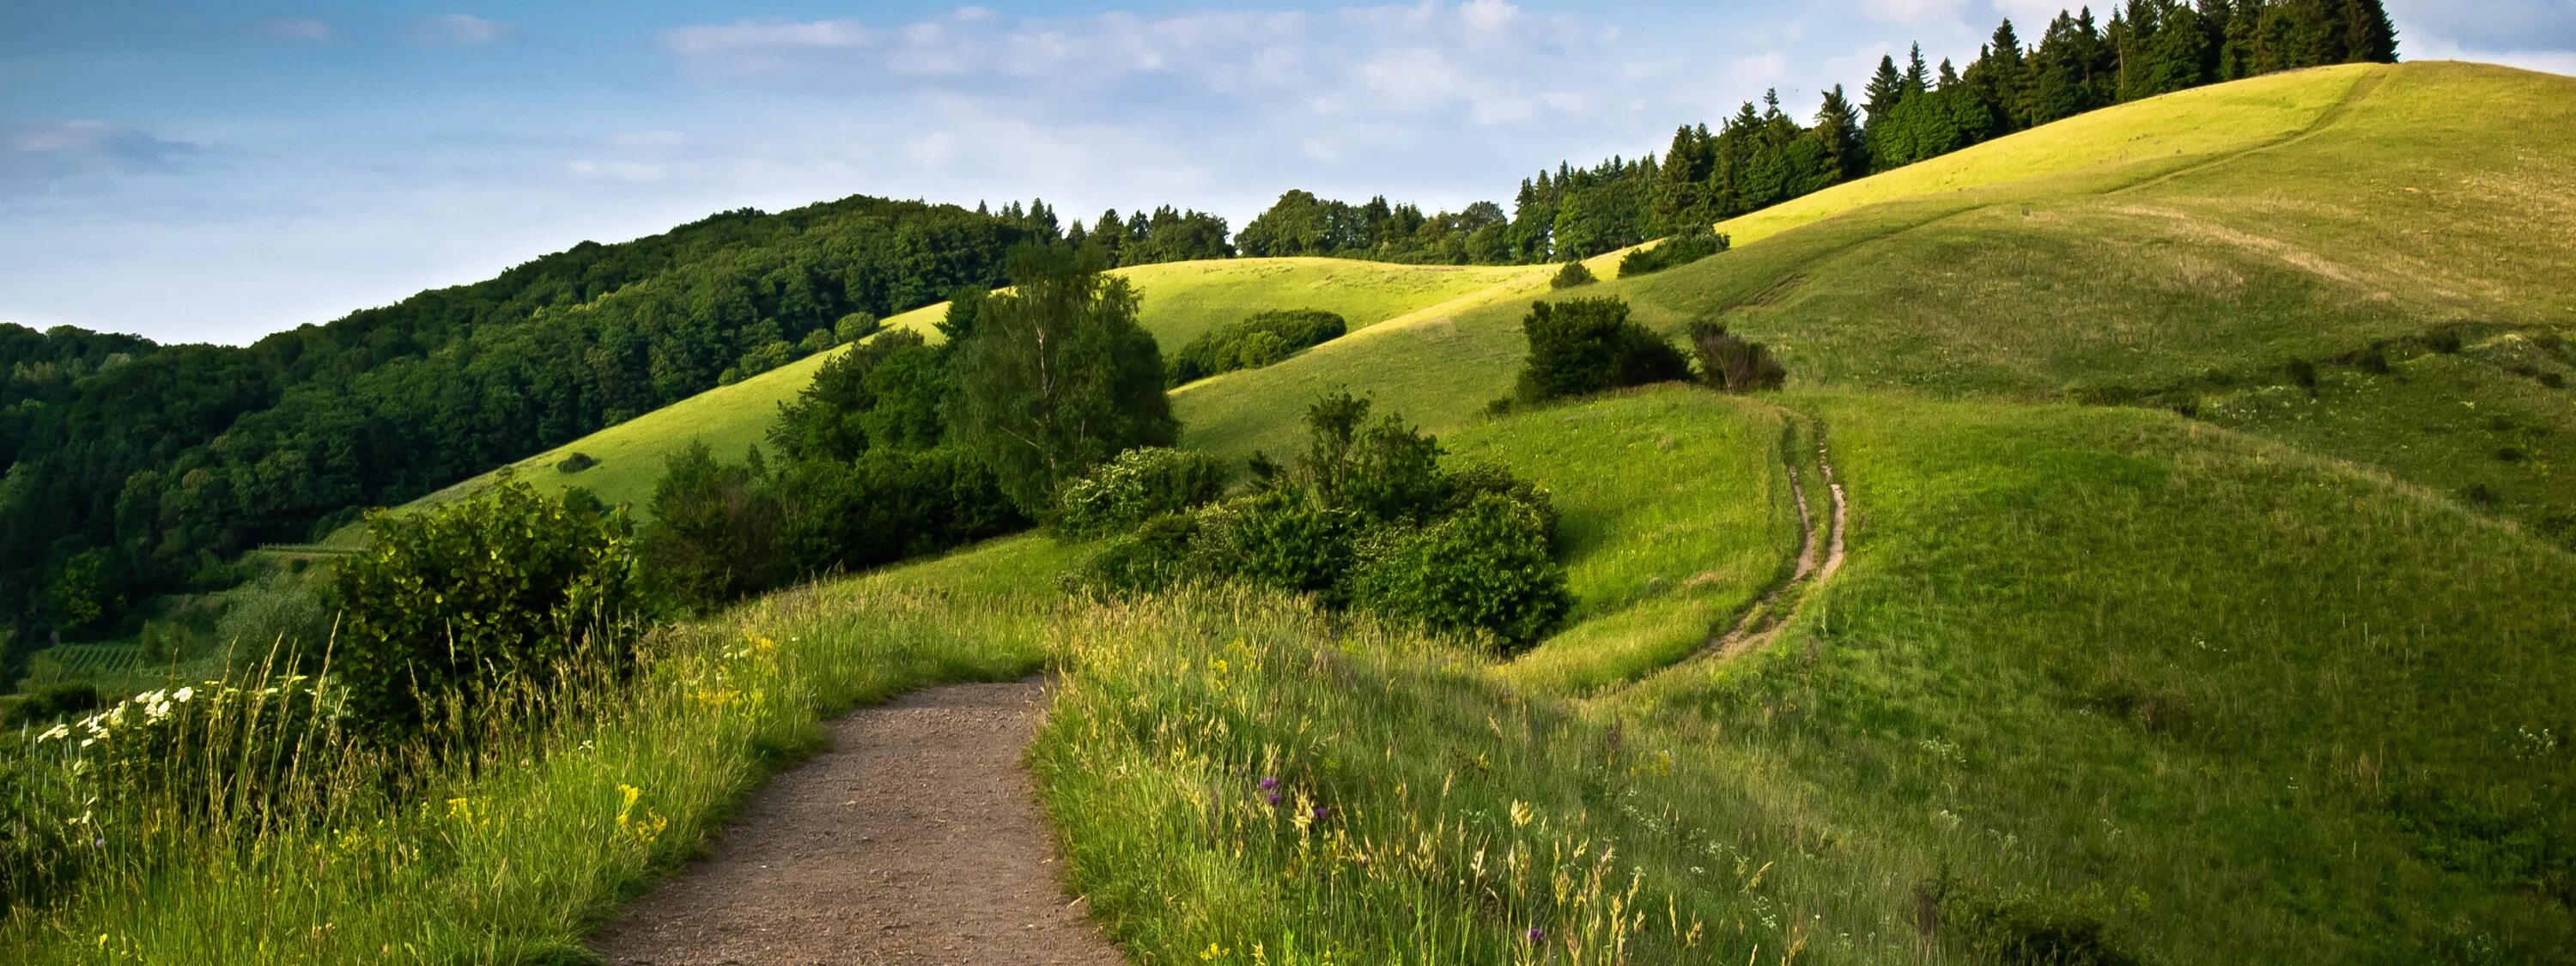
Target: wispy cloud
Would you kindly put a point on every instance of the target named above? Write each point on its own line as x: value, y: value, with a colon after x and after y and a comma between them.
x: 463, y: 29
x: 305, y: 29
x: 49, y: 152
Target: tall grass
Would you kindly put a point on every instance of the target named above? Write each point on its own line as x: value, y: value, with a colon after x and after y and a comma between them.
x: 513, y: 853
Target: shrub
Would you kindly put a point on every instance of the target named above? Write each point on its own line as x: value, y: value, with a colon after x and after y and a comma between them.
x: 576, y: 463
x: 1583, y: 346
x: 769, y: 355
x: 454, y: 603
x: 46, y: 703
x: 888, y: 506
x: 1281, y: 539
x: 1366, y: 518
x: 1573, y: 274
x: 855, y: 326
x: 1137, y: 485
x: 1257, y: 341
x: 282, y: 614
x: 1155, y: 556
x: 1684, y: 247
x: 1731, y: 363
x: 1484, y: 570
x: 815, y: 341
x: 715, y: 532
x: 2024, y: 928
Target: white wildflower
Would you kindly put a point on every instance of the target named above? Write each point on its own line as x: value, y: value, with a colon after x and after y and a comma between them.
x: 55, y: 733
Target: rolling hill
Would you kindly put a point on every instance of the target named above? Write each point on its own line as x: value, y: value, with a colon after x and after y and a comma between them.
x: 2205, y: 599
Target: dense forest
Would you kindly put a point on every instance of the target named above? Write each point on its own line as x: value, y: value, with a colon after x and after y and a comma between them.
x: 1907, y: 112
x: 137, y: 469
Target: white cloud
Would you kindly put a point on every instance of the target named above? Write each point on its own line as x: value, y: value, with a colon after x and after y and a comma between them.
x: 462, y: 28
x: 49, y: 152
x: 304, y: 29
x: 650, y: 139
x: 937, y: 148
x: 751, y: 35
x: 1488, y: 14
x: 1912, y: 11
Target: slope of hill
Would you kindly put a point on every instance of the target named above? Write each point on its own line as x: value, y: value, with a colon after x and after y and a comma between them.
x: 1181, y: 300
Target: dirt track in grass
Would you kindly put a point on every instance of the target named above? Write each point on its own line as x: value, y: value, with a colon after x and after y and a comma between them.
x: 917, y: 840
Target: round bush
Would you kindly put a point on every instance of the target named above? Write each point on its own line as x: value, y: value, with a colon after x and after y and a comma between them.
x: 1136, y: 486
x: 1483, y: 570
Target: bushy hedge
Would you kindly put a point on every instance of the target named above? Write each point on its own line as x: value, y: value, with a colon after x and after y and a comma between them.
x: 1257, y: 341
x: 1572, y: 275
x: 1732, y: 363
x: 1582, y: 346
x: 1367, y: 518
x: 1684, y: 247
x: 1138, y: 485
x: 455, y: 603
x: 723, y: 532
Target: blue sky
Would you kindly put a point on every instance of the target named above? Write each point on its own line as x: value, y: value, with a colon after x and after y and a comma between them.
x: 213, y: 171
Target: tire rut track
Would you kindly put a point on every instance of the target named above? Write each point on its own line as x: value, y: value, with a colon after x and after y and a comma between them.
x: 1819, y: 558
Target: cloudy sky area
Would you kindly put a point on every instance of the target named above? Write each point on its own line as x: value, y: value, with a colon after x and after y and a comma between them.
x: 216, y: 170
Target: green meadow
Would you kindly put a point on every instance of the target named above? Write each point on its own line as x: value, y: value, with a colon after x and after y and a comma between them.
x: 2207, y: 602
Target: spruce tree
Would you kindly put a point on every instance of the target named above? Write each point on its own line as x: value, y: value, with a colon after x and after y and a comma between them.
x: 1838, y: 129
x: 2369, y: 35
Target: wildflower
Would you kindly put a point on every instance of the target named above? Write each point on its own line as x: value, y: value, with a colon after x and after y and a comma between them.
x: 1321, y: 811
x: 1274, y: 798
x: 1268, y: 783
x: 1536, y: 934
x: 55, y: 733
x: 183, y: 694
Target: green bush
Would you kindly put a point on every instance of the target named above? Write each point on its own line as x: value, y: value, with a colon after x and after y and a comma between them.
x: 283, y: 615
x: 1684, y: 247
x: 1483, y: 570
x: 455, y: 603
x: 1369, y: 518
x: 576, y: 463
x: 2025, y: 928
x: 1730, y: 363
x: 1582, y: 346
x: 716, y: 531
x: 1257, y: 341
x: 46, y: 703
x: 855, y: 326
x: 1572, y: 275
x: 1137, y: 485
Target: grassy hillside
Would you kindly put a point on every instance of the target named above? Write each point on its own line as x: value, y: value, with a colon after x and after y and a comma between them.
x: 1182, y: 299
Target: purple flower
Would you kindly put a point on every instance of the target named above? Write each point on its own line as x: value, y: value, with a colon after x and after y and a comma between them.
x: 1321, y: 811
x: 1274, y: 798
x: 1536, y: 934
x: 1269, y: 783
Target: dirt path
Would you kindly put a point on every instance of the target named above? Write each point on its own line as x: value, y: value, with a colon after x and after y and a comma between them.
x: 916, y: 839
x: 1762, y: 622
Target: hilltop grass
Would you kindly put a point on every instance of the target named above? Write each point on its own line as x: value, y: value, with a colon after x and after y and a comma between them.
x: 1675, y: 514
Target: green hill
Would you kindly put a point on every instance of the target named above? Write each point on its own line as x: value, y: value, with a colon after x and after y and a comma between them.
x: 2205, y: 599
x: 1182, y: 300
